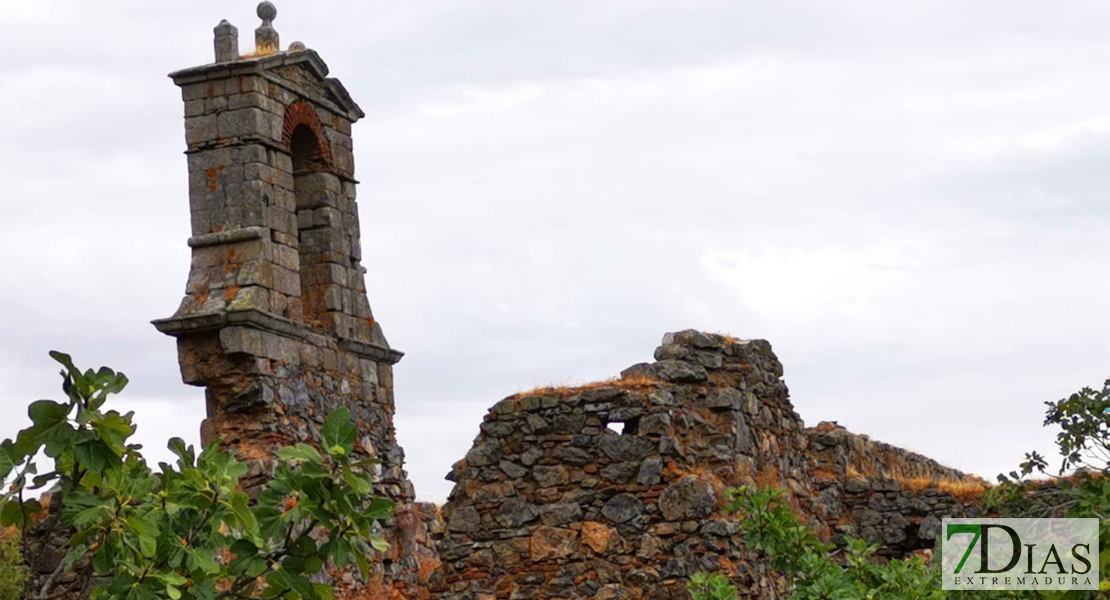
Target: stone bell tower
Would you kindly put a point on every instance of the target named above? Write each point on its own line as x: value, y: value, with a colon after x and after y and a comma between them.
x: 275, y: 323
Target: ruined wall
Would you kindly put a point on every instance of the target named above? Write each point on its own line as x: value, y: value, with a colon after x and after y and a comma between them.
x: 614, y: 490
x: 836, y: 450
x: 554, y: 502
x: 880, y: 493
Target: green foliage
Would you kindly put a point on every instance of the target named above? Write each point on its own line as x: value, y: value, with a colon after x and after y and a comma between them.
x: 705, y: 586
x: 189, y: 531
x: 1084, y: 444
x: 769, y: 525
x: 12, y: 573
x: 1084, y: 438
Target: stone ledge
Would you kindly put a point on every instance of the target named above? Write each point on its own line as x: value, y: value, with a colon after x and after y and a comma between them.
x: 371, y: 351
x: 187, y: 324
x: 247, y: 66
x: 191, y: 324
x: 232, y: 236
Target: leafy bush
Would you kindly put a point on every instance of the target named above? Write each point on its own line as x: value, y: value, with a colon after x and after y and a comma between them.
x: 188, y: 531
x: 769, y: 525
x: 705, y: 586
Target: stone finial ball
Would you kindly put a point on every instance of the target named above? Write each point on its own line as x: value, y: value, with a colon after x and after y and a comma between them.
x: 267, y: 11
x: 296, y: 46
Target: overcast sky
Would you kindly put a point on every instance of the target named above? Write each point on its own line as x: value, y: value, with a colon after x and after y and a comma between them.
x: 907, y: 198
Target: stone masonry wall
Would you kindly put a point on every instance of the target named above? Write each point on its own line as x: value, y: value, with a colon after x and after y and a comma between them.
x: 614, y: 490
x: 880, y: 493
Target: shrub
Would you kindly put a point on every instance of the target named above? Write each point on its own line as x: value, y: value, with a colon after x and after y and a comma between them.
x: 705, y: 586
x: 187, y: 531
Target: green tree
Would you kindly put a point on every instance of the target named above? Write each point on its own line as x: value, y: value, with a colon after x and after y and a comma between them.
x: 187, y: 531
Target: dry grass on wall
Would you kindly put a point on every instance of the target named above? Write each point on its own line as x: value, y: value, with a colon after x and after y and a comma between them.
x: 632, y: 382
x: 964, y: 490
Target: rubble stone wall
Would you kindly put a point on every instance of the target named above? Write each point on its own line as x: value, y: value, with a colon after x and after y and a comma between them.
x: 615, y: 490
x: 880, y: 493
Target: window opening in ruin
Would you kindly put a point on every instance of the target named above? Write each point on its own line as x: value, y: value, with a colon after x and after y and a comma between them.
x: 629, y: 426
x: 304, y: 148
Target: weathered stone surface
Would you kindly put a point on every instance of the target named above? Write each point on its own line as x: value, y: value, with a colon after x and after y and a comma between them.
x: 512, y: 470
x: 689, y: 498
x: 561, y: 513
x: 516, y: 512
x: 650, y: 471
x: 623, y: 508
x: 724, y: 398
x: 572, y: 456
x: 677, y: 371
x: 482, y: 456
x: 465, y: 519
x: 552, y: 542
x: 620, y: 472
x: 550, y: 476
x: 598, y: 536
x: 626, y: 447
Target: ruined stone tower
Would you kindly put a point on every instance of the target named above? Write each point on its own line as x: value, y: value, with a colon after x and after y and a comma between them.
x: 275, y: 323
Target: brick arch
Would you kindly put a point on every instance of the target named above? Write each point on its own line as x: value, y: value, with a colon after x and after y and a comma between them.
x: 302, y: 113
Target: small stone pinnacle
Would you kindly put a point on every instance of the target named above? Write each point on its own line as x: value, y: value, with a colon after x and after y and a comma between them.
x: 226, y: 42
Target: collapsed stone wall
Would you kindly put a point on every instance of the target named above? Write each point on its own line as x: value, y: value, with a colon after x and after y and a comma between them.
x: 615, y: 490
x: 901, y: 520
x: 612, y: 491
x: 881, y: 493
x: 845, y: 454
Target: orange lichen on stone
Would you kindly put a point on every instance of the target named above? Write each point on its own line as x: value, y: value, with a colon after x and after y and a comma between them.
x: 213, y: 176
x: 598, y: 536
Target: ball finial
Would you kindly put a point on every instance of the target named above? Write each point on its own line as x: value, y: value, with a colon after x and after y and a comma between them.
x: 266, y: 37
x: 267, y: 11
